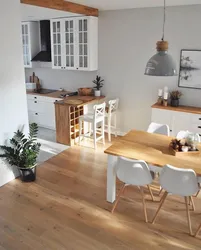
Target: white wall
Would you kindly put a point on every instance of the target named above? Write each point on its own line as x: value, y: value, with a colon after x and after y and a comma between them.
x: 127, y: 40
x: 13, y: 107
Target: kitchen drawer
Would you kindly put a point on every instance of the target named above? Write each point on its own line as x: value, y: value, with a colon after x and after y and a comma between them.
x: 162, y: 116
x: 42, y: 98
x: 42, y: 119
x: 36, y: 106
x: 195, y: 118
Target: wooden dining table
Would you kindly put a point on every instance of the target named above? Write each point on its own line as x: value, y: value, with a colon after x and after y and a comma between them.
x: 153, y: 149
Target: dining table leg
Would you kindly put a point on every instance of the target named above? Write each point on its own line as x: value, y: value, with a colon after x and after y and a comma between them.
x: 111, y: 178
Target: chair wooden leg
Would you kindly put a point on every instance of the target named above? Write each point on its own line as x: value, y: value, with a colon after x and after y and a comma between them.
x: 103, y: 131
x: 162, y: 201
x: 160, y: 192
x: 192, y: 202
x: 118, y: 197
x: 188, y: 215
x: 198, y: 230
x: 144, y: 204
x: 197, y: 193
x: 80, y: 131
x: 150, y: 191
x: 115, y: 124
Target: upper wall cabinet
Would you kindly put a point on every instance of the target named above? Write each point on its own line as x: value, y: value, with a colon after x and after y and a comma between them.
x: 30, y: 41
x: 75, y: 43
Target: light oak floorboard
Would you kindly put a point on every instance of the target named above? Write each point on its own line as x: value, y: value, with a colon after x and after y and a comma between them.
x: 66, y: 208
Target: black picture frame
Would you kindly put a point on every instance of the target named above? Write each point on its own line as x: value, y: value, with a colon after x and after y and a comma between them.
x: 191, y: 69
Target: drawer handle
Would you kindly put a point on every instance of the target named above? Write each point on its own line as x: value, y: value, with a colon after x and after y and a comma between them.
x: 35, y: 97
x: 200, y: 119
x: 36, y: 113
x: 170, y: 130
x: 35, y: 101
x: 199, y: 126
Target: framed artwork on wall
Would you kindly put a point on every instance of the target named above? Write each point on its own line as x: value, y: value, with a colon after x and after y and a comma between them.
x: 190, y: 69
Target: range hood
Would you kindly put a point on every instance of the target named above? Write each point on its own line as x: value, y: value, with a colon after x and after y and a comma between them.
x: 45, y: 54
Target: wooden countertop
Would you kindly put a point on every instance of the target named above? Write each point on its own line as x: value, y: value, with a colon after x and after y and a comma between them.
x: 84, y: 99
x: 187, y: 109
x: 55, y: 94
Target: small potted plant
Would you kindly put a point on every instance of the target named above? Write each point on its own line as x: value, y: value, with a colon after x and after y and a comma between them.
x: 99, y: 84
x: 23, y: 152
x: 175, y: 95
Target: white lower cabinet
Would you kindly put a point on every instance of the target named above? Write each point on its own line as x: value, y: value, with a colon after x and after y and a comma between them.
x: 41, y: 110
x: 178, y: 120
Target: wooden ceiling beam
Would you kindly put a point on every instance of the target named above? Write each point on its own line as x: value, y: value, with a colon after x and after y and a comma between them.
x: 64, y: 6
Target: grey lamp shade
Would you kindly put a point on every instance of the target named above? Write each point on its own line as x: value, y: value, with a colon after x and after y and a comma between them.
x: 161, y: 64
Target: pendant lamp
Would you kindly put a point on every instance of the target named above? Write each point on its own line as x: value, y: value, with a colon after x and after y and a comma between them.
x: 162, y: 63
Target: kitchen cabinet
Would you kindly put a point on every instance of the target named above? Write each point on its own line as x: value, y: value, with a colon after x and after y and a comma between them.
x: 41, y: 110
x: 30, y: 41
x: 179, y: 118
x: 75, y: 43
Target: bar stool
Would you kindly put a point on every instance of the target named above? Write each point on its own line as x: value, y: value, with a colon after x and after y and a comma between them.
x: 112, y: 113
x: 98, y: 117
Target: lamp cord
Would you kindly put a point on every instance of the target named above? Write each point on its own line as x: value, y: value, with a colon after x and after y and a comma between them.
x: 164, y: 19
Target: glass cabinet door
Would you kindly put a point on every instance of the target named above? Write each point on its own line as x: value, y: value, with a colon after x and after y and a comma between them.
x: 56, y: 44
x: 83, y: 59
x: 69, y: 33
x: 26, y: 45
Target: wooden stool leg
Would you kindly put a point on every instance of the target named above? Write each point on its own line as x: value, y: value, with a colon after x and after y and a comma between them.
x: 150, y: 191
x: 198, y: 230
x: 162, y: 201
x: 144, y: 204
x: 192, y: 202
x: 188, y: 215
x: 160, y: 191
x: 118, y: 197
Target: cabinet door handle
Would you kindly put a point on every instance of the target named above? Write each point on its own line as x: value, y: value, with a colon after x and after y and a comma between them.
x: 170, y: 130
x: 36, y: 113
x: 199, y: 126
x: 200, y: 119
x: 77, y: 68
x: 35, y: 97
x: 35, y: 101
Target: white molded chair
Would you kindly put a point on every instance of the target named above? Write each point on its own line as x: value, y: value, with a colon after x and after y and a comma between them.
x: 97, y: 117
x: 162, y: 129
x: 178, y: 181
x: 184, y: 134
x: 112, y: 114
x: 157, y: 128
x: 133, y: 172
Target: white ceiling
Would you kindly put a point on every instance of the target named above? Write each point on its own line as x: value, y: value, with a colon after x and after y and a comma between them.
x: 129, y: 4
x: 34, y: 13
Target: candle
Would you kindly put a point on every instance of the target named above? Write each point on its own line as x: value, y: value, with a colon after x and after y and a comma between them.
x: 166, y: 89
x: 165, y: 96
x: 160, y: 92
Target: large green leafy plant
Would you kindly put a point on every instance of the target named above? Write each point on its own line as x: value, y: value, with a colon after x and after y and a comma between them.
x: 23, y: 151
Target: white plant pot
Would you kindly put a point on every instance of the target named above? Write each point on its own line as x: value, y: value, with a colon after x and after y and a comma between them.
x: 97, y: 92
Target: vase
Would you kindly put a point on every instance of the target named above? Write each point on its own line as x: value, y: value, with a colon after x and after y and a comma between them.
x: 175, y: 102
x: 28, y: 174
x: 97, y: 92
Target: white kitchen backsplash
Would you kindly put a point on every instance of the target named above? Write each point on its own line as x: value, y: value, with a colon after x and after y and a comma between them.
x: 67, y: 79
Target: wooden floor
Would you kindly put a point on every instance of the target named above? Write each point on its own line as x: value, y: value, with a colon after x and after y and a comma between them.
x: 66, y: 209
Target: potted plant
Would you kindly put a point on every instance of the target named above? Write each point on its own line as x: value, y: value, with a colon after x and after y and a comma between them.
x: 23, y: 153
x: 99, y: 84
x: 175, y: 95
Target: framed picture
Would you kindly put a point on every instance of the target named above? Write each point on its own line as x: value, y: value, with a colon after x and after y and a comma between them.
x: 190, y: 69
